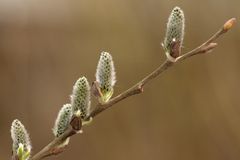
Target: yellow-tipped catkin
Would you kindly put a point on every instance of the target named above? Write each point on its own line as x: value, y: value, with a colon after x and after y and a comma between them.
x: 21, y: 142
x: 105, y: 76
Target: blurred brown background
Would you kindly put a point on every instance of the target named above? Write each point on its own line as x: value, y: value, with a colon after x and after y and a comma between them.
x: 191, y: 112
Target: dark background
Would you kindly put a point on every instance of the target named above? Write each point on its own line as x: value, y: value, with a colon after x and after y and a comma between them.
x: 191, y: 112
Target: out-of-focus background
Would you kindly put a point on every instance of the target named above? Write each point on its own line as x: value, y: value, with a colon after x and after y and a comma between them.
x: 191, y: 112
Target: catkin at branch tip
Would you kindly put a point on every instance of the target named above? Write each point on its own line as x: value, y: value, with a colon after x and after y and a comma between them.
x: 175, y: 30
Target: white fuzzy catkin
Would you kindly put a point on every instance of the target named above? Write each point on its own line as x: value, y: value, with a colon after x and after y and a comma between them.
x: 175, y: 29
x: 105, y: 74
x: 20, y: 136
x: 80, y: 98
x: 63, y: 120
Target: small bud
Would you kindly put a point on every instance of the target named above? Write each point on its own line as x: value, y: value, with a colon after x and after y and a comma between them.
x: 105, y: 76
x: 21, y: 141
x: 63, y: 120
x: 228, y: 25
x: 174, y: 34
x: 80, y: 98
x: 76, y: 122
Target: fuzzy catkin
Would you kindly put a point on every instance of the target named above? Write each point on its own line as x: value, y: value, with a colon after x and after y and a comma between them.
x: 105, y: 75
x: 63, y: 120
x: 20, y: 136
x: 175, y: 30
x: 80, y: 98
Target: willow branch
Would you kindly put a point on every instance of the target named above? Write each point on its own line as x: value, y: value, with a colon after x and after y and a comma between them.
x: 206, y: 47
x: 53, y: 149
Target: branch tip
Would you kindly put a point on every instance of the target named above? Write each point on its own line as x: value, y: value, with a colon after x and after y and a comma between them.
x: 229, y: 24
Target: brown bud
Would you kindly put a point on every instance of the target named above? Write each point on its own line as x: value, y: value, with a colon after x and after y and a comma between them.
x: 76, y: 123
x: 95, y: 89
x: 228, y: 25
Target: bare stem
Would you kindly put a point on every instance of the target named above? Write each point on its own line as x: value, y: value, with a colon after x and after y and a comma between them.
x: 207, y: 46
x: 57, y: 145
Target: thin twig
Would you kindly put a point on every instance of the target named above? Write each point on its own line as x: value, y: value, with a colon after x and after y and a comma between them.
x: 207, y: 46
x: 138, y: 88
x: 57, y: 145
x: 49, y: 149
